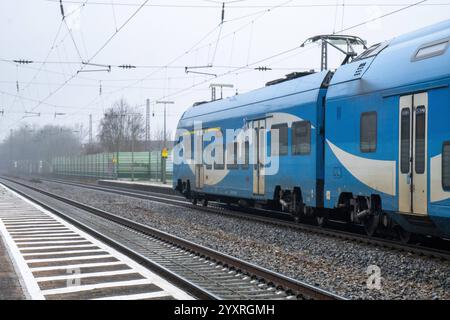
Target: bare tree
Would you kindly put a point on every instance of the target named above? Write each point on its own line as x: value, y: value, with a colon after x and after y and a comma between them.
x: 120, y: 126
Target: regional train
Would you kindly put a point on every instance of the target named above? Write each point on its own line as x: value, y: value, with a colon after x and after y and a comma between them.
x: 367, y: 144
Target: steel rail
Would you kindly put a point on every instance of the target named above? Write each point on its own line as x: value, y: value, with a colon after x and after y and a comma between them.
x: 271, y: 217
x: 287, y: 284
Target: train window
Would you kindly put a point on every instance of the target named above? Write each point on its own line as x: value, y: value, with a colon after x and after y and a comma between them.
x: 446, y: 166
x: 431, y: 50
x: 405, y: 140
x: 232, y: 155
x: 420, y: 140
x: 280, y: 147
x: 246, y: 155
x: 219, y: 156
x: 368, y: 132
x: 301, y: 137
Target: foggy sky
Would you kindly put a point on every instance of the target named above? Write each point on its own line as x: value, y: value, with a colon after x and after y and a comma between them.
x: 159, y: 34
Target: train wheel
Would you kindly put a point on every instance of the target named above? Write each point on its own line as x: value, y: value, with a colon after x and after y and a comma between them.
x: 371, y: 224
x: 194, y: 201
x: 205, y: 202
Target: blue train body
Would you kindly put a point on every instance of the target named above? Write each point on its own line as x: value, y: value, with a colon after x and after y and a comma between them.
x: 370, y: 142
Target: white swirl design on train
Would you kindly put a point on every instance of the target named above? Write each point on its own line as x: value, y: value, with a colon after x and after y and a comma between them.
x: 379, y: 175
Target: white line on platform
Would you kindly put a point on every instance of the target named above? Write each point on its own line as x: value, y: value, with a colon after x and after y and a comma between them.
x: 60, y: 252
x: 46, y: 238
x: 95, y: 286
x: 99, y: 256
x: 50, y: 242
x: 58, y: 247
x: 13, y: 230
x: 86, y: 275
x: 149, y: 295
x: 80, y: 265
x: 41, y: 236
x: 44, y: 232
x: 62, y: 237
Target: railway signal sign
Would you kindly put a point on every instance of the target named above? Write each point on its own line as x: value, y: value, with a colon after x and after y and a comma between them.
x: 165, y: 153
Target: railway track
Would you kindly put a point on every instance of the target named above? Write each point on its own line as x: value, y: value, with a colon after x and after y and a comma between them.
x: 203, y: 272
x: 271, y: 217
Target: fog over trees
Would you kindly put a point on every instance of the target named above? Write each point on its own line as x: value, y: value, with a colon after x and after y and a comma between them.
x: 122, y: 128
x: 39, y: 144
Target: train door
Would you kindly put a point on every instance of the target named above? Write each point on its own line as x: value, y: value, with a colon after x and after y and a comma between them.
x: 413, y: 146
x: 198, y: 160
x: 259, y: 147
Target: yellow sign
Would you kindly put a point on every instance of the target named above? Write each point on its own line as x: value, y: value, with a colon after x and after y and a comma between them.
x: 114, y: 160
x: 164, y: 153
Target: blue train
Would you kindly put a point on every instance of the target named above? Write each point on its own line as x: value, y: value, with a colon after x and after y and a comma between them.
x: 368, y: 144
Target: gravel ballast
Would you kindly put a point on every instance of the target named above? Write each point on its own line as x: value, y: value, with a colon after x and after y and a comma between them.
x: 336, y: 265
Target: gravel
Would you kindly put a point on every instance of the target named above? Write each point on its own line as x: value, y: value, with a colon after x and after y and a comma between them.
x: 336, y: 265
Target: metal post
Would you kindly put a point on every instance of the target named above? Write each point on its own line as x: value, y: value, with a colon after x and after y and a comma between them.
x: 10, y: 150
x: 163, y: 160
x: 132, y: 153
x: 147, y: 135
x: 90, y: 129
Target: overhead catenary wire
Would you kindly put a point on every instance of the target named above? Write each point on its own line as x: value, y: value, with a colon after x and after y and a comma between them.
x: 260, y: 13
x: 351, y: 26
x: 91, y: 58
x: 295, y: 48
x: 239, y: 7
x: 263, y: 60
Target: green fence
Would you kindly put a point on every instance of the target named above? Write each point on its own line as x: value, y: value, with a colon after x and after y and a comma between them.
x: 128, y: 165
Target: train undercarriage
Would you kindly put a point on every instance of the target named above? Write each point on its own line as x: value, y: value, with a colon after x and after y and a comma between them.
x: 354, y: 211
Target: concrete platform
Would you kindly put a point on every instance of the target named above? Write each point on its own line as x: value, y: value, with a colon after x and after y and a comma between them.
x: 150, y: 186
x: 55, y: 260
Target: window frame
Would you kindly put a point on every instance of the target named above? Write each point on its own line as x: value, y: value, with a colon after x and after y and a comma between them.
x: 246, y: 164
x: 422, y: 156
x: 235, y: 147
x: 220, y: 166
x: 361, y: 131
x: 444, y: 187
x: 414, y: 57
x: 408, y: 160
x: 278, y: 126
x: 294, y: 138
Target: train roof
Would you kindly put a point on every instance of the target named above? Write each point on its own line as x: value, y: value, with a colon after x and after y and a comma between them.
x: 283, y: 89
x: 416, y: 57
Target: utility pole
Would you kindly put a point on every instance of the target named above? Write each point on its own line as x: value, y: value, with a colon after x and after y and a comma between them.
x: 147, y: 136
x: 147, y: 124
x: 10, y: 149
x: 132, y: 147
x: 164, y: 151
x: 90, y: 129
x: 165, y: 118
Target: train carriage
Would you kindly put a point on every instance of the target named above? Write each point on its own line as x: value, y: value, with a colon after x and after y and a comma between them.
x: 387, y: 131
x: 368, y: 144
x: 293, y: 164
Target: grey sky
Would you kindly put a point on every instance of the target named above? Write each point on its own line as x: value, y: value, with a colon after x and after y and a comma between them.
x: 161, y: 32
